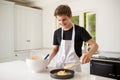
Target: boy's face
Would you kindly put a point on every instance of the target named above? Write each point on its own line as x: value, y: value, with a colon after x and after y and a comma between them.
x: 64, y: 20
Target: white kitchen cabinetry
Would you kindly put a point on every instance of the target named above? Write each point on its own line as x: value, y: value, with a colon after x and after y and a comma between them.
x: 6, y: 29
x: 28, y: 28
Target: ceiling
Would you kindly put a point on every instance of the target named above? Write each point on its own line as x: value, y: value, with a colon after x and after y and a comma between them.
x: 35, y: 3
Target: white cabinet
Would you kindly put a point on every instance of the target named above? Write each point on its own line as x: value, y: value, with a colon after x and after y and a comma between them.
x: 20, y: 29
x: 6, y: 29
x: 28, y: 28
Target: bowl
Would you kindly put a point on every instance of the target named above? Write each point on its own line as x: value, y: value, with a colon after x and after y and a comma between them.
x: 37, y: 65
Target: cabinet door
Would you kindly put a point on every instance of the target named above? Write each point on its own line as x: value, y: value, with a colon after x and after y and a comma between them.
x: 27, y: 28
x: 36, y: 28
x: 102, y: 69
x: 6, y: 29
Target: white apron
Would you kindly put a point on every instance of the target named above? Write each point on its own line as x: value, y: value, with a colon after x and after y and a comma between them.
x: 66, y: 53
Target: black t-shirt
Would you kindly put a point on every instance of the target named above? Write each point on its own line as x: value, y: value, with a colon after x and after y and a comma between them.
x: 80, y: 35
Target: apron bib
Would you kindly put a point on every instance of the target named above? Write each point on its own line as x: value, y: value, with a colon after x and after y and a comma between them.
x: 66, y: 53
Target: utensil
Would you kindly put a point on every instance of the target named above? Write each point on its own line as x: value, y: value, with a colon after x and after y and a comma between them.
x: 46, y: 56
x: 53, y: 74
x: 71, y: 65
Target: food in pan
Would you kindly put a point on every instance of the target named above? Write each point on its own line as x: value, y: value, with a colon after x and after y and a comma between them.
x: 62, y: 73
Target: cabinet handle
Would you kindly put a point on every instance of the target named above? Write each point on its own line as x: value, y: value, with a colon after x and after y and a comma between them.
x: 111, y: 75
x: 16, y: 55
x: 27, y: 40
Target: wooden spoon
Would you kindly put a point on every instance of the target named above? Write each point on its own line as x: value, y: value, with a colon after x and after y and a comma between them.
x: 71, y: 65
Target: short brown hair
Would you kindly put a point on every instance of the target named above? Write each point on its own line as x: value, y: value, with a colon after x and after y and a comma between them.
x: 63, y: 10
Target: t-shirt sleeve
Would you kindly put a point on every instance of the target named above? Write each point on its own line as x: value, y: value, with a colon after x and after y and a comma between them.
x: 85, y: 35
x: 55, y: 41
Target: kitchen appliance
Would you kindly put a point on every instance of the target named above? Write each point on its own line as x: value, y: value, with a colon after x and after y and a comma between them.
x: 106, y: 66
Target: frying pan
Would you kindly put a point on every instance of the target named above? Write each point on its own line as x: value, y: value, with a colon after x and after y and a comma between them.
x: 53, y: 74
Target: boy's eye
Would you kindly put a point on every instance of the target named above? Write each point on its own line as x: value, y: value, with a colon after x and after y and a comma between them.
x: 64, y: 19
x: 59, y: 20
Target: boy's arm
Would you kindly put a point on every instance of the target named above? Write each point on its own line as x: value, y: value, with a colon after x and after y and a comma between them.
x: 53, y: 52
x: 86, y: 57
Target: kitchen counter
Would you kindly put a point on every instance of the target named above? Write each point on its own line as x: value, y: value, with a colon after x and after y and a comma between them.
x: 18, y: 70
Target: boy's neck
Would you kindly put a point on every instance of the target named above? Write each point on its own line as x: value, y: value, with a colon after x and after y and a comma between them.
x: 68, y: 27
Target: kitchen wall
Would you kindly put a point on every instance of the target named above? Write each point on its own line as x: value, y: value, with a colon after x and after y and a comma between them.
x: 107, y: 21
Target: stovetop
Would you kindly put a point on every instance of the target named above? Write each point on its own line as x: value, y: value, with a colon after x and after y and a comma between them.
x: 107, y: 58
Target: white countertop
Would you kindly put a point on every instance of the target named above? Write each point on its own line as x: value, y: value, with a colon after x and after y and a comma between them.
x: 18, y: 70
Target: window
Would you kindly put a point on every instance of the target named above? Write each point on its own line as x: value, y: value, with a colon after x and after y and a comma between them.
x: 75, y: 20
x: 86, y: 19
x: 91, y: 24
